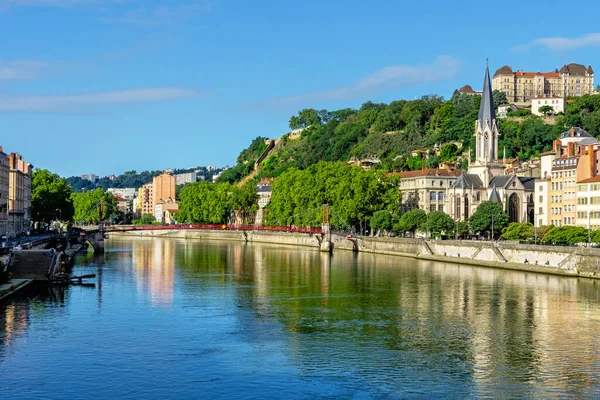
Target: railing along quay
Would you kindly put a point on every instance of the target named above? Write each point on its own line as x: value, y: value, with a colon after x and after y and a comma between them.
x: 219, y: 227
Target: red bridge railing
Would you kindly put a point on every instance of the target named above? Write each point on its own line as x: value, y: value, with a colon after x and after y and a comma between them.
x: 220, y: 227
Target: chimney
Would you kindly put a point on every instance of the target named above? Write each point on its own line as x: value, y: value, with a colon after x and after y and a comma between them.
x: 572, y: 132
x: 570, y: 149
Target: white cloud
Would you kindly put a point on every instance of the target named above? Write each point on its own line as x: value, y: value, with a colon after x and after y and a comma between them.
x: 563, y: 43
x: 83, y: 101
x: 162, y: 15
x: 22, y: 69
x: 393, y: 76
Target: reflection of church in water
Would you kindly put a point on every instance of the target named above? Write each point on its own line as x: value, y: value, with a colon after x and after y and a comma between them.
x: 485, y: 179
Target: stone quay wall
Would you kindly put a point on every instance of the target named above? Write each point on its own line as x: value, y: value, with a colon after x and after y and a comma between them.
x: 569, y: 261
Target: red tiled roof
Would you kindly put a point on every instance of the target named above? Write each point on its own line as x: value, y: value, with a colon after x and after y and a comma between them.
x: 547, y: 153
x: 589, y: 180
x: 534, y: 74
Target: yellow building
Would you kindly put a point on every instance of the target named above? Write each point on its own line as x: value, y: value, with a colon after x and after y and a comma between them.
x: 4, y: 183
x: 19, y: 194
x: 161, y: 188
x: 574, y: 160
x: 520, y: 86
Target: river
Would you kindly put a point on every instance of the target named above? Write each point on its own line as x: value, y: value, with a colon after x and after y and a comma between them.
x: 170, y: 318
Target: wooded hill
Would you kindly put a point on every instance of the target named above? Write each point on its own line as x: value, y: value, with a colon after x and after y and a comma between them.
x: 391, y: 131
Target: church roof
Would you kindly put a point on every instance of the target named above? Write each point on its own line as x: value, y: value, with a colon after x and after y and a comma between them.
x: 486, y: 109
x: 468, y: 181
x: 494, y: 196
x: 502, y: 181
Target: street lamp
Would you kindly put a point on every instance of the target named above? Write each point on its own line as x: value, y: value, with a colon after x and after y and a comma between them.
x: 59, y: 214
x: 589, y: 230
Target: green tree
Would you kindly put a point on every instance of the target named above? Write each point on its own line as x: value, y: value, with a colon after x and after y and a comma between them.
x: 518, y: 231
x: 488, y: 211
x: 49, y: 194
x: 499, y: 98
x: 87, y: 206
x: 566, y: 235
x: 546, y: 110
x: 439, y: 222
x: 146, y: 219
x: 462, y: 228
x: 381, y: 220
x: 448, y: 152
x: 411, y: 221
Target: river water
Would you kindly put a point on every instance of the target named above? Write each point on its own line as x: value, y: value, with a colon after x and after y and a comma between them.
x: 171, y: 318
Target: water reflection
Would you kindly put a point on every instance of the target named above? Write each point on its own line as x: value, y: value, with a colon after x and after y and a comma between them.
x: 153, y: 264
x: 486, y: 331
x: 306, y: 323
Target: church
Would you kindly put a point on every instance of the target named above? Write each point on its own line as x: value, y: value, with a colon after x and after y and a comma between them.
x: 486, y: 179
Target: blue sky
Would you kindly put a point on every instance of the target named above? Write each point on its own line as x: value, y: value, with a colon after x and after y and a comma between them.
x: 107, y: 86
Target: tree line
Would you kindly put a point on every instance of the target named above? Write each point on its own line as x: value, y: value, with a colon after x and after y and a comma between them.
x: 391, y: 131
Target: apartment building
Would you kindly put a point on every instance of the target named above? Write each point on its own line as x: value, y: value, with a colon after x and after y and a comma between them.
x: 588, y: 203
x: 160, y: 189
x: 520, y: 86
x: 184, y: 179
x: 426, y: 189
x: 19, y: 194
x: 556, y: 103
x: 4, y: 185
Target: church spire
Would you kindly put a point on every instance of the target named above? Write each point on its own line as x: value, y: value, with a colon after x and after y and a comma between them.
x: 486, y: 109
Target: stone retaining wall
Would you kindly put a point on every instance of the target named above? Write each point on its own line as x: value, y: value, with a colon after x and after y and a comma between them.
x: 546, y: 259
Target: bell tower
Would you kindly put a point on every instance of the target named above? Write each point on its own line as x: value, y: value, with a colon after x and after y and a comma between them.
x: 486, y: 136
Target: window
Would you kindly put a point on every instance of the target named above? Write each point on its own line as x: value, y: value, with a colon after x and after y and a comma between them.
x: 440, y: 207
x: 432, y: 207
x: 431, y: 196
x: 441, y: 196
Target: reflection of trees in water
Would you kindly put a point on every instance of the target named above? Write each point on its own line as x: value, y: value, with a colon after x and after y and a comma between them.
x: 444, y: 321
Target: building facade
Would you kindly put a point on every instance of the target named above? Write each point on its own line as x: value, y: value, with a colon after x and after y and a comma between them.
x: 19, y: 194
x: 4, y: 186
x: 571, y: 80
x: 184, y: 179
x: 556, y: 103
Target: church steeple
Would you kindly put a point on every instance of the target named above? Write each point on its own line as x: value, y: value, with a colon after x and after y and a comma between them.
x: 486, y: 127
x: 486, y: 109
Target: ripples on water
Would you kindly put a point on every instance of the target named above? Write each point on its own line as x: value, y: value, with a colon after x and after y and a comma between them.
x: 181, y: 319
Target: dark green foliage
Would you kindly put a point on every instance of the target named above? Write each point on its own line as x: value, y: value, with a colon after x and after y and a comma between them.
x: 381, y: 220
x: 481, y: 220
x: 439, y: 222
x: 50, y: 193
x: 390, y: 132
x: 210, y: 203
x: 146, y: 219
x: 352, y: 193
x: 499, y: 98
x: 411, y: 221
x: 566, y: 235
x: 87, y: 206
x: 518, y: 231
